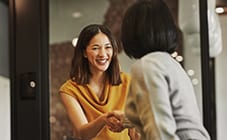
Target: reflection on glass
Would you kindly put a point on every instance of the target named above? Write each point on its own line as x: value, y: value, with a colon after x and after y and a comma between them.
x: 67, y: 18
x: 189, y: 25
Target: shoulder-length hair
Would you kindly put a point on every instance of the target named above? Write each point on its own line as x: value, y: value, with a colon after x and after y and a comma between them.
x: 80, y: 72
x: 148, y: 26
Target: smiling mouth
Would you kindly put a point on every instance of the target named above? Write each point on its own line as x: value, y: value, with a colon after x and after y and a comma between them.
x: 102, y: 61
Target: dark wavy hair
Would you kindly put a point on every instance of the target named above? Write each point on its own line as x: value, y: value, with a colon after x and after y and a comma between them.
x: 148, y: 26
x: 80, y: 72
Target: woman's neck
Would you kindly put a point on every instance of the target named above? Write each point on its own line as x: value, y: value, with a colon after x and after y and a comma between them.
x: 97, y: 83
x: 98, y: 78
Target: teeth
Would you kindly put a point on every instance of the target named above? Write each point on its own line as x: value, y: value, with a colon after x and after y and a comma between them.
x: 102, y: 61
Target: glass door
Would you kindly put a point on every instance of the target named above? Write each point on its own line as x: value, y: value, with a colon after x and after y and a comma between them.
x: 67, y: 18
x: 50, y: 51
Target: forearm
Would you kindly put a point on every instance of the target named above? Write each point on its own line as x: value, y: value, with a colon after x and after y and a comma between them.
x: 112, y: 120
x: 83, y: 129
x: 91, y: 129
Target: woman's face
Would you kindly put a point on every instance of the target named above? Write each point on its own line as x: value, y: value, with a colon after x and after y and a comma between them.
x: 99, y: 53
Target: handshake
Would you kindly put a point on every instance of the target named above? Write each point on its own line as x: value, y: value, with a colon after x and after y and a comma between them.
x: 116, y: 121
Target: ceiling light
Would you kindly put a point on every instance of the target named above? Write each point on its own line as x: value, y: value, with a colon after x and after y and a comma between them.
x: 191, y: 72
x: 76, y: 15
x: 174, y: 54
x: 219, y: 10
x: 74, y: 41
x: 179, y: 58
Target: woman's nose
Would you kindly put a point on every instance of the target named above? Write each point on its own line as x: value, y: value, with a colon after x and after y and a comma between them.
x: 102, y: 52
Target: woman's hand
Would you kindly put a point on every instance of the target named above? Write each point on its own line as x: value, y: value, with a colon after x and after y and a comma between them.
x: 133, y: 134
x: 114, y: 121
x: 115, y: 124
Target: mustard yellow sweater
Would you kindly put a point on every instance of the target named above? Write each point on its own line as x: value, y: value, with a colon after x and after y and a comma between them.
x: 114, y: 99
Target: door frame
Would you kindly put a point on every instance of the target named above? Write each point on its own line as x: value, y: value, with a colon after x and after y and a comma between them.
x: 29, y: 59
x: 29, y: 69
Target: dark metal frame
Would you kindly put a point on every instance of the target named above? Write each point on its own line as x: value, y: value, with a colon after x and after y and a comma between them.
x: 208, y: 75
x: 29, y: 52
x: 29, y: 58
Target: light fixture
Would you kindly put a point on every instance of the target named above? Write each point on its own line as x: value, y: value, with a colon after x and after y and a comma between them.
x: 221, y: 7
x: 220, y: 10
x: 174, y: 54
x: 76, y: 15
x: 179, y: 58
x: 74, y: 41
x: 195, y: 81
x: 191, y: 72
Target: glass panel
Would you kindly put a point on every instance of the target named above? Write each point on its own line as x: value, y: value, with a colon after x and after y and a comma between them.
x: 189, y: 25
x: 4, y: 74
x: 221, y: 67
x: 67, y: 18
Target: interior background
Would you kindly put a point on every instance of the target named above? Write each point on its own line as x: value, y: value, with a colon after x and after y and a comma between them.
x: 63, y: 28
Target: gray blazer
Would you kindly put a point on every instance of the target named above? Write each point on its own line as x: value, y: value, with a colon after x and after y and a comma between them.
x: 161, y: 101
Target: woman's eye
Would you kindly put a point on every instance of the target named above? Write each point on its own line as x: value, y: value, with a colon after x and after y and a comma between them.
x: 108, y: 47
x: 94, y: 48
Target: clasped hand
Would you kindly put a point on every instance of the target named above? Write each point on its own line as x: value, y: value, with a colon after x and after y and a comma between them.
x: 114, y: 121
x: 117, y: 122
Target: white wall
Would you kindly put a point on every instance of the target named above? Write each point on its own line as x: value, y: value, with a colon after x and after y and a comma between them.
x: 4, y: 109
x: 221, y: 86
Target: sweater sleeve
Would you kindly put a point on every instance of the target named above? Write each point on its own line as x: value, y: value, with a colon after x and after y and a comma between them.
x: 148, y: 104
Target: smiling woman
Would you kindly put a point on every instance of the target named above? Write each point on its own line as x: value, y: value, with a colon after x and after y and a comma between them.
x: 99, y: 53
x: 64, y: 26
x: 95, y: 94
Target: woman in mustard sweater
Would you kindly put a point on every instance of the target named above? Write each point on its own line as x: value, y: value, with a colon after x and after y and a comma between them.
x: 95, y: 94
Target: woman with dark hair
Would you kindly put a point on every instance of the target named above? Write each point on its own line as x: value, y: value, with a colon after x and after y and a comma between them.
x: 161, y: 101
x: 95, y: 94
